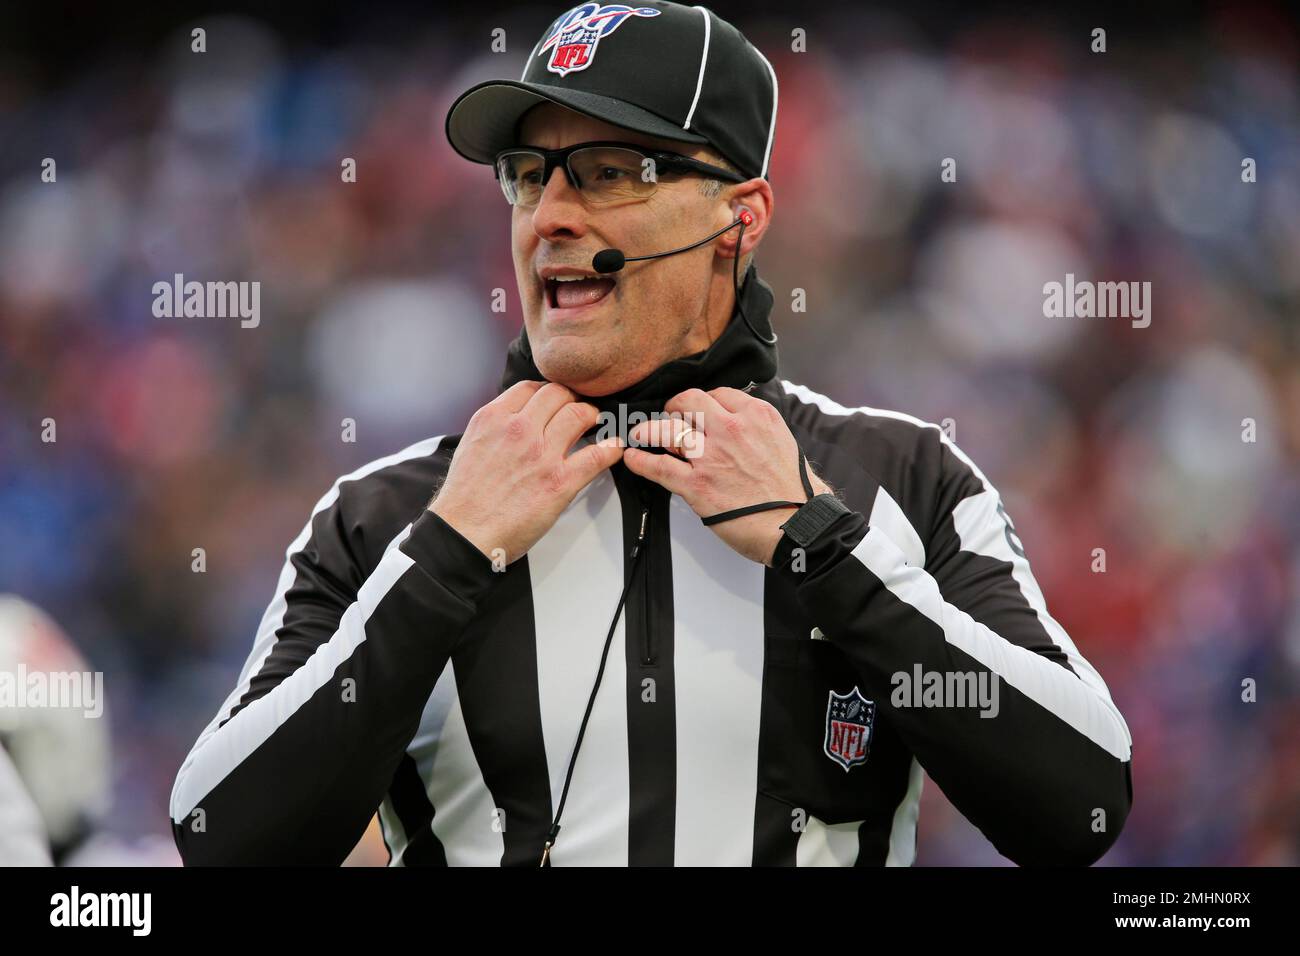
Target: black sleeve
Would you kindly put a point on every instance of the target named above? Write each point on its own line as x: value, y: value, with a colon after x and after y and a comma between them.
x: 299, y: 757
x: 1048, y: 777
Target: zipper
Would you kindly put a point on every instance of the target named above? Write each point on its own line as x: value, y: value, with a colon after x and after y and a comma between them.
x: 647, y: 645
x: 645, y: 495
x: 636, y: 548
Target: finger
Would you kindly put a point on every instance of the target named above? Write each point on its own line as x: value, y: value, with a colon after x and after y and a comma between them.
x: 672, y: 473
x: 517, y: 395
x: 699, y: 406
x: 591, y: 459
x: 569, y: 424
x: 676, y: 435
x: 544, y: 403
x: 660, y: 432
x: 732, y: 399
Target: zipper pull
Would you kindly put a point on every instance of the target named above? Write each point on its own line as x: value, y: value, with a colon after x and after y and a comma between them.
x: 550, y: 842
x: 645, y: 514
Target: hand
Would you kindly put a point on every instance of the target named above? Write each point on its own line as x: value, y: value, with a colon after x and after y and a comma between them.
x: 737, y: 451
x: 511, y: 475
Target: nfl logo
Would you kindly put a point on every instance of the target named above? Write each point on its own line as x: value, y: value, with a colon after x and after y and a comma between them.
x: 573, y: 51
x: 849, y: 719
x: 576, y: 33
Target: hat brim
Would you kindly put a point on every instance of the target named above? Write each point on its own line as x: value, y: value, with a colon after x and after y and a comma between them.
x: 482, y: 121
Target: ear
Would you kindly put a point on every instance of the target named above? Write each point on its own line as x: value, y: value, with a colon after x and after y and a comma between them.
x: 755, y: 197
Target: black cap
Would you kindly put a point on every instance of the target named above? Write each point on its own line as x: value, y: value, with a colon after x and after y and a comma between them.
x: 664, y: 69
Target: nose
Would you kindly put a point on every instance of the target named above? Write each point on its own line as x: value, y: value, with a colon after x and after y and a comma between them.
x: 560, y: 211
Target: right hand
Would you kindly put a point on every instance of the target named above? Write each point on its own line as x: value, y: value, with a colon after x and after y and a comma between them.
x: 511, y: 475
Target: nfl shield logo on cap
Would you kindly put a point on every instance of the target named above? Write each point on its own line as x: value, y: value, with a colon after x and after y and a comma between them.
x: 572, y: 43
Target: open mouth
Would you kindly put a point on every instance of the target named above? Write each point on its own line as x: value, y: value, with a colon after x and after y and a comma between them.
x: 573, y: 292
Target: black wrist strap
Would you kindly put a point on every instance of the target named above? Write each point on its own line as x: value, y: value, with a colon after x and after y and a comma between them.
x: 807, y: 524
x: 768, y: 505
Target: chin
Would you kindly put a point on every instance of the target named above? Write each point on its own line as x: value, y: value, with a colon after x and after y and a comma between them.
x: 573, y: 368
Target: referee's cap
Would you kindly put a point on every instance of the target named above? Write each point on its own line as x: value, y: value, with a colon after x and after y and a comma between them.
x: 664, y: 69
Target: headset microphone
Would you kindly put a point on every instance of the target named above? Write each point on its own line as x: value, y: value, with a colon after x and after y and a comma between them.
x: 612, y: 260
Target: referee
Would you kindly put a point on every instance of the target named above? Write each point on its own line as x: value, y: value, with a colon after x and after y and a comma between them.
x: 655, y: 605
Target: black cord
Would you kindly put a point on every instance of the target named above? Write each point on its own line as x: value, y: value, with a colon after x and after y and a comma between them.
x: 591, y: 700
x: 768, y: 505
x: 735, y: 281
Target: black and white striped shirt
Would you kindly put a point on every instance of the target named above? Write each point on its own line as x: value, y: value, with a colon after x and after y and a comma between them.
x: 745, y: 713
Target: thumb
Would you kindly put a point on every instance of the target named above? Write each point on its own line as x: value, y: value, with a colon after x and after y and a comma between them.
x: 591, y: 459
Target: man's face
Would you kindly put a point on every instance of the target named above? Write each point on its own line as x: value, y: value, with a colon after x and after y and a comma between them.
x: 655, y: 310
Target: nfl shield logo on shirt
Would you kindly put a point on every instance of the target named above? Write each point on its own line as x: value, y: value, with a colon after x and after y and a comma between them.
x: 577, y: 32
x: 849, y: 719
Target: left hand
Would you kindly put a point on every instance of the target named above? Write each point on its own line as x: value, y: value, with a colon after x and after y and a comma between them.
x: 736, y: 450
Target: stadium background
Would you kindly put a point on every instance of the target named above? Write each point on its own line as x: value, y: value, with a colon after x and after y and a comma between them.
x: 923, y: 296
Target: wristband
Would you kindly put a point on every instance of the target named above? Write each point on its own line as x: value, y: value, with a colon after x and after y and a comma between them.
x: 814, y: 517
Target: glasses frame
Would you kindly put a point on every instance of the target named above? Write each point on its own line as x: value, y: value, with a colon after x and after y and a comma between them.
x: 664, y: 162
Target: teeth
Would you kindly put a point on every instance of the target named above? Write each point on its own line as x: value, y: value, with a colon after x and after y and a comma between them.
x: 570, y: 278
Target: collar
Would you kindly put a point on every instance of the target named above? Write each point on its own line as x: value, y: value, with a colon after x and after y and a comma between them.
x: 736, y: 359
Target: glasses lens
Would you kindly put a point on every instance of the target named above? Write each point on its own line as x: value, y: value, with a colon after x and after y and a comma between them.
x: 521, y: 177
x: 609, y: 173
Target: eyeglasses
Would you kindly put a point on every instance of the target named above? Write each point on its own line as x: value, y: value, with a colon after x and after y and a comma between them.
x: 601, y: 172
